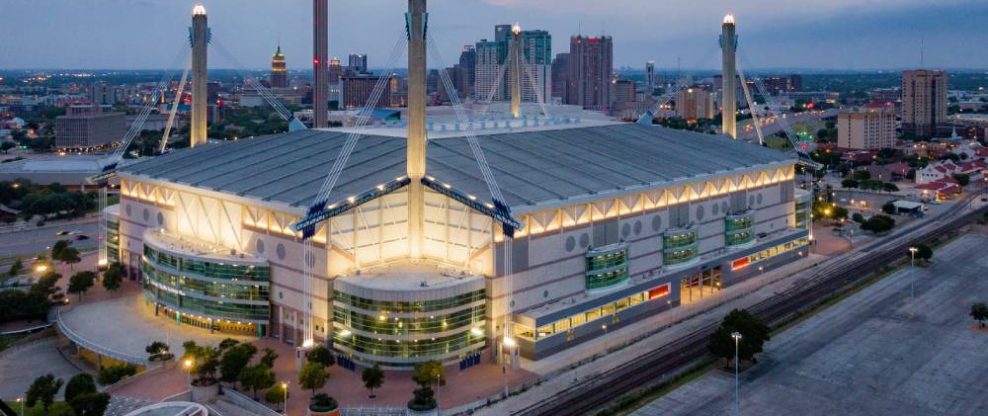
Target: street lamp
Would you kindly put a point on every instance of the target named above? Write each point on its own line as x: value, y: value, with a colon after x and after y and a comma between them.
x: 187, y: 364
x: 20, y: 399
x: 284, y: 386
x: 912, y: 272
x: 737, y: 383
x: 510, y: 344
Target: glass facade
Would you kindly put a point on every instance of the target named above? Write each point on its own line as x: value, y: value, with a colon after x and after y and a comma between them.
x: 768, y: 253
x: 592, y: 315
x: 607, y: 266
x: 803, y: 215
x: 739, y: 229
x: 207, y: 289
x: 400, y: 334
x: 112, y: 240
x: 679, y: 246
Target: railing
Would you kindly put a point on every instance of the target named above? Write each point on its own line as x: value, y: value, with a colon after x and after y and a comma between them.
x: 99, y: 349
x: 248, y: 403
x: 373, y: 411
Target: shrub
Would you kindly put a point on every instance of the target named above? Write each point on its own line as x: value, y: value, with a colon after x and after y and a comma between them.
x: 423, y: 400
x: 322, y: 402
x: 114, y: 373
x: 79, y: 385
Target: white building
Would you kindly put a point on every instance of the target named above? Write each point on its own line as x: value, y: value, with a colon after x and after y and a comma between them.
x: 866, y: 128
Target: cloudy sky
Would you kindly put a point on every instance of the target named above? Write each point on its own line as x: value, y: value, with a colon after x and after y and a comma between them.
x: 828, y: 34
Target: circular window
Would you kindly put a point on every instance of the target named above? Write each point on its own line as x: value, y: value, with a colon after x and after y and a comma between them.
x: 759, y: 199
x: 146, y: 214
x: 715, y: 209
x: 259, y: 245
x: 585, y: 240
x: 700, y: 213
x: 751, y: 200
x: 656, y: 223
x: 570, y: 243
x: 280, y: 251
x: 626, y: 230
x: 161, y: 219
x: 638, y: 227
x: 545, y: 294
x: 128, y: 210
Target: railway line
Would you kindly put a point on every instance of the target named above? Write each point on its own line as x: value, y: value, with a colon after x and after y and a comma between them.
x: 821, y: 283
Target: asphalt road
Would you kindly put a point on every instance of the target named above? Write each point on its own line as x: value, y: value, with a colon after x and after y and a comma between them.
x: 36, y: 240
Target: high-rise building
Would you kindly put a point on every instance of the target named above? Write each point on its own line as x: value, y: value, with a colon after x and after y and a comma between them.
x: 199, y: 37
x: 779, y: 85
x: 649, y: 77
x: 464, y: 73
x: 89, y: 130
x: 694, y: 103
x: 536, y: 72
x: 729, y: 101
x: 335, y: 73
x: 101, y: 93
x: 868, y: 128
x: 924, y: 101
x: 560, y: 76
x: 357, y: 91
x: 279, y: 70
x: 625, y: 91
x: 358, y: 63
x: 320, y: 82
x: 591, y: 63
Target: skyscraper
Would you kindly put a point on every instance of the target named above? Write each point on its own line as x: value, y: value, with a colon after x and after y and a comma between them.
x: 729, y: 101
x: 560, y: 76
x: 279, y: 70
x: 320, y: 82
x: 199, y: 37
x: 358, y: 63
x: 649, y: 77
x: 591, y: 63
x: 924, y: 101
x: 536, y: 57
x: 465, y: 71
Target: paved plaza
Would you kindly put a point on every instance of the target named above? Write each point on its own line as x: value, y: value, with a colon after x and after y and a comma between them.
x: 867, y: 355
x: 21, y: 365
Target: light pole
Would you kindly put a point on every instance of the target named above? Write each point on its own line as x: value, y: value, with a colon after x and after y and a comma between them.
x: 21, y: 401
x: 508, y: 343
x: 737, y: 383
x: 912, y: 272
x: 284, y: 386
x: 187, y: 363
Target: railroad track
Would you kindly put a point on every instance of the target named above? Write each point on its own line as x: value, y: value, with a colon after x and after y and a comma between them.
x: 595, y: 393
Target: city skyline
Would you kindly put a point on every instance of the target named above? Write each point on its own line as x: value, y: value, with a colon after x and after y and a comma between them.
x: 773, y: 34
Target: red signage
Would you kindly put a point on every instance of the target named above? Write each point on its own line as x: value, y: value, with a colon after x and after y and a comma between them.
x: 658, y: 292
x: 740, y: 263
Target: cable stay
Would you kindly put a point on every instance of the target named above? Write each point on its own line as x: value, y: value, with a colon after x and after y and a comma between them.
x: 293, y: 123
x: 752, y: 107
x: 502, y: 212
x: 171, y: 114
x: 317, y: 210
x: 684, y: 81
x: 539, y: 89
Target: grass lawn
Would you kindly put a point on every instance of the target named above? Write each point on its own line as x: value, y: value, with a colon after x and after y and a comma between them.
x: 56, y: 409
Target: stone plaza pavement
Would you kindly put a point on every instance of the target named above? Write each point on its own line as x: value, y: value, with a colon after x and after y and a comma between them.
x: 879, y: 352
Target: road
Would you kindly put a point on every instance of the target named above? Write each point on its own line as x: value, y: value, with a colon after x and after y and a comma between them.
x: 35, y: 240
x: 866, y: 355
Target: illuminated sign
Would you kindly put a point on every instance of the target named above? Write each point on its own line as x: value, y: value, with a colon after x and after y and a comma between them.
x: 740, y: 263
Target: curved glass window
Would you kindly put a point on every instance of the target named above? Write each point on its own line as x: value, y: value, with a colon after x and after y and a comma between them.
x: 739, y: 229
x: 385, y: 349
x: 387, y: 325
x: 606, y: 266
x: 421, y: 306
x: 680, y: 246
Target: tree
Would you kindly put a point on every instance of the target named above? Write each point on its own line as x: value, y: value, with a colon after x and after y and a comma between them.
x: 158, y: 351
x: 322, y: 355
x: 889, y: 208
x: 205, y: 361
x: 114, y: 373
x: 923, y: 252
x: 312, y: 377
x: 373, y: 378
x: 43, y: 389
x: 979, y: 311
x: 429, y: 373
x: 424, y: 399
x: 70, y: 256
x: 227, y: 343
x: 878, y: 224
x: 56, y: 249
x: 858, y: 218
x: 275, y: 395
x: 90, y: 404
x: 269, y: 357
x: 113, y: 277
x: 235, y: 359
x: 256, y: 377
x: 962, y: 178
x: 890, y: 187
x: 15, y: 268
x: 860, y: 175
x: 753, y: 332
x: 79, y: 385
x: 849, y: 183
x: 6, y: 146
x: 81, y: 282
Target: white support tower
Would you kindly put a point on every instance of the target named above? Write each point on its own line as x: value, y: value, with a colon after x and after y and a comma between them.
x: 416, y: 20
x: 199, y: 39
x: 514, y: 58
x: 729, y: 100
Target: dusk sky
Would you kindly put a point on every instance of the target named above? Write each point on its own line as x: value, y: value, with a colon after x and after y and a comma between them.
x: 825, y: 34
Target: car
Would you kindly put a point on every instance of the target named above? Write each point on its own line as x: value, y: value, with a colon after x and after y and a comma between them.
x: 81, y: 237
x: 61, y: 233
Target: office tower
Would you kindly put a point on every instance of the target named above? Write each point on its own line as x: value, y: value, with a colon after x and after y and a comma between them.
x: 591, y: 63
x: 924, y: 101
x: 560, y: 76
x: 199, y: 37
x: 465, y: 71
x: 279, y: 70
x: 694, y: 103
x: 357, y: 90
x: 649, y: 77
x: 358, y: 63
x: 869, y: 128
x: 335, y: 73
x: 536, y: 65
x: 320, y: 44
x: 729, y: 101
x: 624, y: 91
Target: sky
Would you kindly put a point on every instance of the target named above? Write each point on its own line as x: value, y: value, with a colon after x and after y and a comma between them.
x: 801, y: 34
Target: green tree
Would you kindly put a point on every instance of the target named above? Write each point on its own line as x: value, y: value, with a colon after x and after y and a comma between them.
x: 878, y: 224
x: 849, y: 183
x: 43, y: 389
x: 923, y: 252
x: 81, y: 282
x: 90, y: 404
x: 979, y: 311
x: 227, y: 343
x: 113, y: 277
x: 78, y: 385
x: 890, y: 187
x: 889, y: 208
x: 754, y: 334
x: 275, y: 395
x: 234, y: 360
x: 962, y: 178
x: 373, y: 378
x: 256, y: 377
x: 424, y: 399
x: 6, y: 146
x: 429, y: 373
x: 16, y: 267
x: 312, y: 377
x: 858, y: 218
x: 269, y: 357
x: 322, y: 355
x: 205, y: 362
x: 56, y: 249
x: 114, y: 373
x: 70, y: 256
x: 158, y: 351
